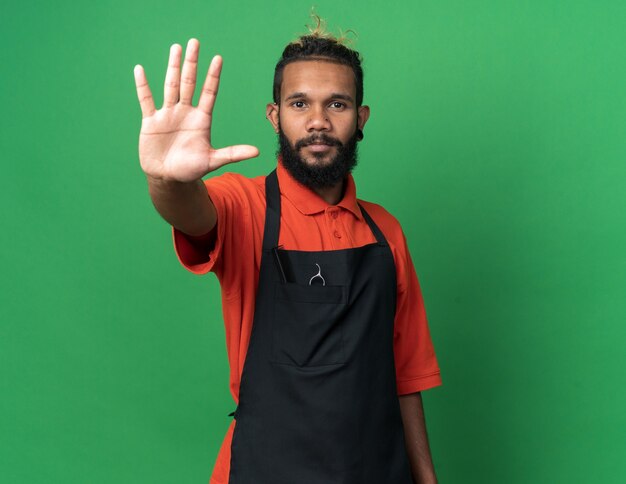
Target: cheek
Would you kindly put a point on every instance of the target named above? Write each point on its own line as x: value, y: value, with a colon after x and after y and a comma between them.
x: 347, y: 128
x: 290, y: 127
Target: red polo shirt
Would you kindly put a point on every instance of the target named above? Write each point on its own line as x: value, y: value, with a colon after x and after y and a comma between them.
x: 307, y: 223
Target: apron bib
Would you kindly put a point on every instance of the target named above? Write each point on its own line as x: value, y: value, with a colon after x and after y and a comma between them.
x: 318, y: 402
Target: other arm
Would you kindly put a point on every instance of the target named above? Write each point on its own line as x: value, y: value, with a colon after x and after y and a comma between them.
x: 416, y: 439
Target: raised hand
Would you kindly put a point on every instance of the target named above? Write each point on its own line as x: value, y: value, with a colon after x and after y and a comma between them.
x: 175, y: 141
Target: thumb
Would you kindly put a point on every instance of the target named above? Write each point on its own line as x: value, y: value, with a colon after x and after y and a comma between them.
x: 231, y: 154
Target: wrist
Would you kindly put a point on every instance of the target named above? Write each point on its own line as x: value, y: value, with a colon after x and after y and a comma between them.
x: 170, y: 184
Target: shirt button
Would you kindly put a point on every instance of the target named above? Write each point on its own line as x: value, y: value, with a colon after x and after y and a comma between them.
x: 335, y: 214
x: 337, y: 234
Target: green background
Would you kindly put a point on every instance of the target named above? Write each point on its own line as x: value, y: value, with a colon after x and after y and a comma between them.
x: 497, y: 138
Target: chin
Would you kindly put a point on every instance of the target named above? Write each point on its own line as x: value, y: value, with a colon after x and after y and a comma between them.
x: 318, y: 159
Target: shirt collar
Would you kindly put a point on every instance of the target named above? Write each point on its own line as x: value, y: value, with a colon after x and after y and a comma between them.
x: 307, y: 201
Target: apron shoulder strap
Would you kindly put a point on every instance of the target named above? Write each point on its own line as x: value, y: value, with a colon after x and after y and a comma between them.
x: 272, y: 212
x: 380, y: 238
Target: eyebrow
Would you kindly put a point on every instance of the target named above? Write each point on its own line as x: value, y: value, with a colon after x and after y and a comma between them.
x: 334, y: 95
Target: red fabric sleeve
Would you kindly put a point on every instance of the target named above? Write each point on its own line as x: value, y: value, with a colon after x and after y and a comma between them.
x: 416, y: 364
x: 200, y: 255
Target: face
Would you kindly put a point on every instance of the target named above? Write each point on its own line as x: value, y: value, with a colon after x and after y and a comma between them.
x: 317, y: 121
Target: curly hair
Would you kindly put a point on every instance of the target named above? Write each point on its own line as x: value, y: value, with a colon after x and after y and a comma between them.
x: 319, y: 44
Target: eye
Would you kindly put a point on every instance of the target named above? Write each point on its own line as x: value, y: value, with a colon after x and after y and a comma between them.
x: 337, y: 105
x: 298, y: 104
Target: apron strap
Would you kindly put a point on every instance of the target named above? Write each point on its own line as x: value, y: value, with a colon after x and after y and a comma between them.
x: 380, y: 238
x: 272, y: 212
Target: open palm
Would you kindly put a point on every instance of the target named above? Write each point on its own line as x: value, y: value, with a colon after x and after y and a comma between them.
x: 175, y: 141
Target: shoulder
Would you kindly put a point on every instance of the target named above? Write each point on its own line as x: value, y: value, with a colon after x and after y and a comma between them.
x: 385, y: 220
x: 235, y: 180
x: 236, y: 187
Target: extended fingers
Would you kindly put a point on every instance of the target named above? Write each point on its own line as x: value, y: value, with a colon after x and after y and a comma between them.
x: 188, y: 78
x: 211, y: 86
x: 172, y: 77
x: 144, y: 94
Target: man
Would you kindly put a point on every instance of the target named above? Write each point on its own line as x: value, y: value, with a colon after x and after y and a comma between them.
x: 327, y: 338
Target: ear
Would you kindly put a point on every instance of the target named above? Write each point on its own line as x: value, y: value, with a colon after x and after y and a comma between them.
x: 271, y: 113
x: 363, y: 116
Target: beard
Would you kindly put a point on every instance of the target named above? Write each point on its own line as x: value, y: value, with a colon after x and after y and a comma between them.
x: 319, y: 174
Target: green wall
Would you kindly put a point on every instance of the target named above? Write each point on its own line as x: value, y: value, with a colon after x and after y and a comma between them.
x: 497, y: 137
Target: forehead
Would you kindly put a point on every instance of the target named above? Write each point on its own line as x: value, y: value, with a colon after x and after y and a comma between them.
x: 317, y: 77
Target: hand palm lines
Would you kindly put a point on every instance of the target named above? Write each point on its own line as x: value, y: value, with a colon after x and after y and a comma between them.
x: 181, y: 140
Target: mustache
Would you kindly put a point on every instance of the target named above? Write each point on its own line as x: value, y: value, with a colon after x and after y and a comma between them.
x: 321, y: 138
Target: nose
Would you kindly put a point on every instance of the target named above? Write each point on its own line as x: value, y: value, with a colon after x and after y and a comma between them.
x: 318, y: 120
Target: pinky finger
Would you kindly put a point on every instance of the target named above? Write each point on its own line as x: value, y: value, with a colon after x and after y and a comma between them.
x: 144, y: 94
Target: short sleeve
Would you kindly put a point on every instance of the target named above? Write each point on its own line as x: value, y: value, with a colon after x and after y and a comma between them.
x: 416, y: 363
x: 231, y: 205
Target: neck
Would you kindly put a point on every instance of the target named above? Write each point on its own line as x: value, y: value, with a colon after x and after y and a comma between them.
x: 331, y: 195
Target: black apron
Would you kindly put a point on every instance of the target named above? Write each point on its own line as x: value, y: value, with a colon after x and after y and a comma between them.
x: 318, y: 402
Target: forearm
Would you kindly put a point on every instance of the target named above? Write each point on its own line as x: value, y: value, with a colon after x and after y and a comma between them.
x: 416, y: 439
x: 184, y: 205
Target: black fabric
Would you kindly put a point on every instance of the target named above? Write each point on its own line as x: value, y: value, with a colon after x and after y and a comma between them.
x: 318, y: 401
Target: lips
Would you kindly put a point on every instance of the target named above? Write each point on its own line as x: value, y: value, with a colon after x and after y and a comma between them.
x: 318, y: 147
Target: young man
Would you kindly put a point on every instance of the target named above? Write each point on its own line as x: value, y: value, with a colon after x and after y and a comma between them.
x: 327, y: 337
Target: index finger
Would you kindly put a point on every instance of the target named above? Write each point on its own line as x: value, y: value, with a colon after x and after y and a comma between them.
x: 144, y: 94
x: 211, y: 86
